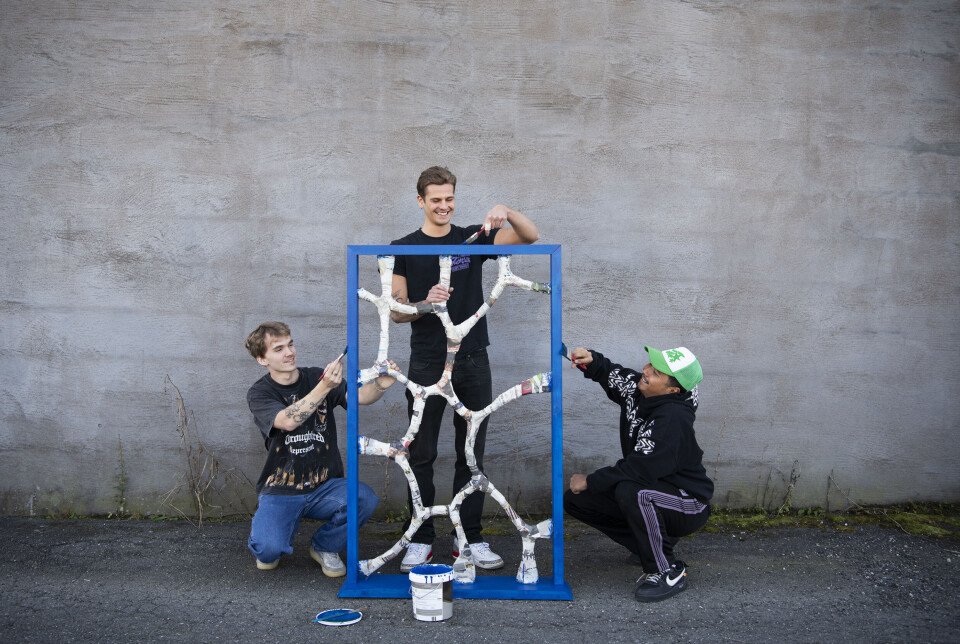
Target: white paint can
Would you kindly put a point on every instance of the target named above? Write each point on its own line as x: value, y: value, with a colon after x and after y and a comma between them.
x: 432, y: 590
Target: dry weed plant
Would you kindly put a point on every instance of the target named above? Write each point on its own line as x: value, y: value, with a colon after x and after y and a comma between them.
x: 121, y: 481
x: 202, y: 475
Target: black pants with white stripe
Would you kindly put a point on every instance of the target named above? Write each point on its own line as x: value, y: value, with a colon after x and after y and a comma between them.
x: 646, y: 519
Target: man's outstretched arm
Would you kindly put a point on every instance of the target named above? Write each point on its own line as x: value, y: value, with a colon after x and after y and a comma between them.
x: 521, y: 230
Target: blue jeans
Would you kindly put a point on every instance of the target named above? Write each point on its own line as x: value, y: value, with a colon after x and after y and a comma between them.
x: 278, y: 517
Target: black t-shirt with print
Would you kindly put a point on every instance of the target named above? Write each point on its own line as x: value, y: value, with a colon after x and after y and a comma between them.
x: 298, y: 462
x: 427, y: 338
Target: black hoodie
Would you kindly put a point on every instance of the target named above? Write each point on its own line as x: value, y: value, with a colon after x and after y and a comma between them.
x: 656, y: 435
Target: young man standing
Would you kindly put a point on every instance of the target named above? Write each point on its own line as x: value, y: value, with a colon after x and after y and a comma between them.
x: 659, y: 491
x: 416, y: 279
x: 303, y: 475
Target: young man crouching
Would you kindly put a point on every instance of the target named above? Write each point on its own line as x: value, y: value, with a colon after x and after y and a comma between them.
x: 303, y: 474
x: 658, y: 491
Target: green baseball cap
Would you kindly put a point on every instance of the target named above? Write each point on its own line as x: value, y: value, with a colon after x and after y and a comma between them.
x: 679, y: 363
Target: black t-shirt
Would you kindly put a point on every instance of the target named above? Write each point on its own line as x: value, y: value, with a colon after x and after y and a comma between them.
x: 298, y: 462
x: 427, y: 338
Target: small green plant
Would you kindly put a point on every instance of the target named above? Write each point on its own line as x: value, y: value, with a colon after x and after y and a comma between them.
x: 810, y: 512
x: 395, y: 517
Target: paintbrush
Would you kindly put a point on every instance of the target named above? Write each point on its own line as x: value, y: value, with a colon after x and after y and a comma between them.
x: 472, y: 238
x: 339, y: 357
x: 565, y: 352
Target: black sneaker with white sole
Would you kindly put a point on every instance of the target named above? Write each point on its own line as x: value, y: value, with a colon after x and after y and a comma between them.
x: 659, y: 586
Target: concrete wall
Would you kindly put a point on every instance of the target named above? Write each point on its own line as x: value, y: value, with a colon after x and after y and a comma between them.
x: 773, y: 184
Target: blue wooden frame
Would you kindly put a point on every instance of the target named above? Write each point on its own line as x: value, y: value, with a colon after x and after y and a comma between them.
x: 485, y: 586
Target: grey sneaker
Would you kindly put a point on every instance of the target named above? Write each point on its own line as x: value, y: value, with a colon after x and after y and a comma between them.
x: 417, y: 555
x: 330, y: 563
x: 483, y: 556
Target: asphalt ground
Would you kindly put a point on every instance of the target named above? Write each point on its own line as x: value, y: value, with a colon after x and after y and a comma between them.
x: 169, y: 581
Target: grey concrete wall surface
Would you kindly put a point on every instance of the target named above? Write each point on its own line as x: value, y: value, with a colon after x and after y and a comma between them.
x: 773, y: 184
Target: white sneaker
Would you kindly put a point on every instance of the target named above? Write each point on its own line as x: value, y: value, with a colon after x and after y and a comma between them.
x: 483, y: 556
x: 417, y: 554
x: 330, y: 562
x: 267, y: 565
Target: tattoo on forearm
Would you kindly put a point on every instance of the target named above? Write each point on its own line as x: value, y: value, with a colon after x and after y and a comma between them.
x: 403, y: 317
x: 299, y: 412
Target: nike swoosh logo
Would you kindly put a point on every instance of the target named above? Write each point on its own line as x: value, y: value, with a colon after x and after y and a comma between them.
x: 674, y: 582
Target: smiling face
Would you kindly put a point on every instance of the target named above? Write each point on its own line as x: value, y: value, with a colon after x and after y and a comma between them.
x: 438, y: 204
x: 280, y: 357
x: 655, y: 383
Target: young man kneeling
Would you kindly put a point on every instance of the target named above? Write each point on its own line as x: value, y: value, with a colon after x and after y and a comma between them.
x: 659, y: 491
x: 303, y: 475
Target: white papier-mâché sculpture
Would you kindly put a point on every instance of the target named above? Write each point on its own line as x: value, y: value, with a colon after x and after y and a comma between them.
x: 464, y: 570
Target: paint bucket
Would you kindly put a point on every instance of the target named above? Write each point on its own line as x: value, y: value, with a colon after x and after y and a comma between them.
x: 431, y: 586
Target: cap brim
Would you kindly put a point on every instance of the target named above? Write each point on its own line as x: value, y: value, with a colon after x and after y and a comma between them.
x: 658, y: 360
